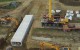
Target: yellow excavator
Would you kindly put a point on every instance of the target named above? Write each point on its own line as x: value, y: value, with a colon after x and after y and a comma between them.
x: 14, y: 20
x: 10, y: 19
x: 52, y: 46
x: 52, y: 19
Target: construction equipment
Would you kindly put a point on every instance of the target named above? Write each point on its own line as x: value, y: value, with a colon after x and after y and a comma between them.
x: 6, y: 20
x: 54, y: 46
x: 14, y: 20
x: 53, y: 19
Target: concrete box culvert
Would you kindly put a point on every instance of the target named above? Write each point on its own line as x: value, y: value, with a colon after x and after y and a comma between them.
x: 41, y: 38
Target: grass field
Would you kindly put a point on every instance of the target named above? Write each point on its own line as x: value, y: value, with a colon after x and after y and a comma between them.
x: 5, y: 0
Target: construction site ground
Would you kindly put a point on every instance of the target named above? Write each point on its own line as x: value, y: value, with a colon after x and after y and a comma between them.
x: 37, y: 33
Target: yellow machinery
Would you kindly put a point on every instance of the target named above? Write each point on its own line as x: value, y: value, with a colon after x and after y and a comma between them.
x: 56, y: 47
x: 52, y: 19
x: 44, y: 44
x: 50, y: 14
x: 13, y: 19
x: 50, y: 10
x: 10, y: 19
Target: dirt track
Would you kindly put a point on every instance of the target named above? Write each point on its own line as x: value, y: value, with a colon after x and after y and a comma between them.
x: 18, y: 11
x: 36, y: 8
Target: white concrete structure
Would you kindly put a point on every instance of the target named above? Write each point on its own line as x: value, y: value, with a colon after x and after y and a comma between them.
x: 22, y: 31
x: 69, y: 14
x: 58, y: 11
x: 78, y: 15
x: 69, y: 17
x: 70, y: 11
x: 42, y: 38
x: 53, y: 11
x: 77, y: 12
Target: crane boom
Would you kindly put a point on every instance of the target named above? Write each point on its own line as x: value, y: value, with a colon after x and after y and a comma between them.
x: 50, y: 9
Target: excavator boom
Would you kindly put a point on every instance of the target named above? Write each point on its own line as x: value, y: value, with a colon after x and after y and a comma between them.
x: 44, y: 44
x: 56, y: 47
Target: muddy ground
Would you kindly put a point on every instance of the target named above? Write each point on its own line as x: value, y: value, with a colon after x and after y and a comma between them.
x: 37, y: 8
x: 70, y: 39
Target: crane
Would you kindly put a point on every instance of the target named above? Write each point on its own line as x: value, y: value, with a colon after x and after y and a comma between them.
x: 50, y: 10
x: 52, y: 19
x: 56, y: 47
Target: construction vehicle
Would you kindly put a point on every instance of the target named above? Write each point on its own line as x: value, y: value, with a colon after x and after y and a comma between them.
x: 53, y: 20
x: 53, y: 46
x: 6, y: 20
x: 14, y: 20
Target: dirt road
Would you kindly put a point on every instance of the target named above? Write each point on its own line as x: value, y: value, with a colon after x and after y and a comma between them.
x: 36, y: 8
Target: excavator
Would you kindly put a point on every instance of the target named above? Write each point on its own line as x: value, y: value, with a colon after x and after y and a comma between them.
x: 5, y: 20
x: 52, y: 46
x: 53, y: 20
x: 13, y: 19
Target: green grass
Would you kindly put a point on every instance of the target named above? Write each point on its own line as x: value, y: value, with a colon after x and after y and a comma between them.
x: 5, y: 0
